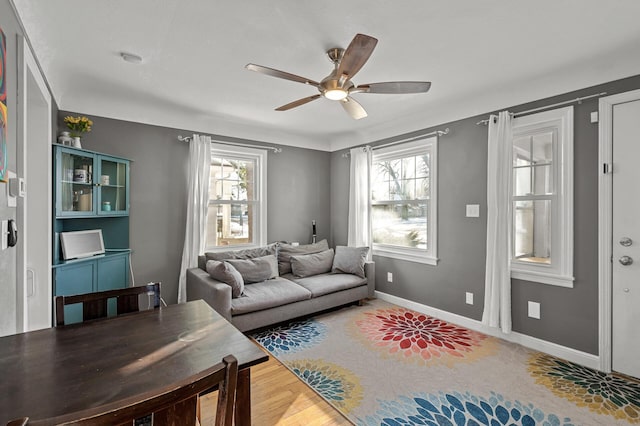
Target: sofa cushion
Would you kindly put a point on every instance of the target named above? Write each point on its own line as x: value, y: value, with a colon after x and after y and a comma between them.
x: 322, y: 284
x: 237, y: 254
x: 305, y: 265
x: 268, y: 294
x: 350, y: 260
x: 257, y: 269
x: 226, y: 273
x: 285, y: 252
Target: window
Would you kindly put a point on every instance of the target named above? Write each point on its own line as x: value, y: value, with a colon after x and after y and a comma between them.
x: 237, y: 202
x: 542, y: 200
x: 403, y: 201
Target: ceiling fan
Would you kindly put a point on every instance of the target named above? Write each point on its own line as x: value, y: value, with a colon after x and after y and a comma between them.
x: 338, y: 86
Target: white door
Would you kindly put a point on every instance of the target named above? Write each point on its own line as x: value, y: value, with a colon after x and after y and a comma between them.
x: 626, y: 239
x: 33, y: 163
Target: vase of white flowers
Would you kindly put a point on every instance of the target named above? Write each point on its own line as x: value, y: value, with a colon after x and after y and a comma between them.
x: 78, y: 126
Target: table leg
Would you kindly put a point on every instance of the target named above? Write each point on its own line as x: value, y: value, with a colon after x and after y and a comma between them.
x: 243, y: 398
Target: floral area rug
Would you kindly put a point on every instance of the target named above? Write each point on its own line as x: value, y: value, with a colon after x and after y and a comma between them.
x: 381, y: 364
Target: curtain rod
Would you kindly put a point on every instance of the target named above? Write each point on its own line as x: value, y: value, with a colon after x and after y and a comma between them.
x: 410, y: 139
x: 529, y: 111
x: 247, y: 145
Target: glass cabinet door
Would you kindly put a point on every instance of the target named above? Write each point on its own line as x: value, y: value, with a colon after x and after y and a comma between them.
x: 113, y: 183
x: 76, y: 195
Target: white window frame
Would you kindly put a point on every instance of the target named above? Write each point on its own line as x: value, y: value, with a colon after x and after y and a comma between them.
x: 560, y: 271
x: 428, y: 256
x: 260, y: 189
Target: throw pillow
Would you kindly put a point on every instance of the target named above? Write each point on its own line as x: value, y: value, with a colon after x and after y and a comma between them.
x: 287, y: 250
x: 242, y: 254
x: 227, y: 274
x: 257, y: 269
x: 305, y: 265
x: 350, y: 260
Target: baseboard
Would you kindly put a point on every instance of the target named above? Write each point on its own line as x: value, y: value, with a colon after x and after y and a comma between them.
x: 573, y: 355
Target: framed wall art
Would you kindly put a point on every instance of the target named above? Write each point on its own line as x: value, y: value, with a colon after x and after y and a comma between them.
x: 3, y: 109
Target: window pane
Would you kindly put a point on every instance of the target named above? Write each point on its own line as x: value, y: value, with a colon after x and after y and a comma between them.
x: 422, y: 189
x: 229, y: 224
x: 395, y: 169
x: 422, y: 166
x: 532, y: 236
x: 522, y: 151
x: 522, y: 181
x: 231, y: 179
x: 408, y: 167
x: 408, y: 189
x: 542, y: 145
x: 379, y: 186
x: 381, y: 169
x: 227, y: 190
x: 542, y: 180
x: 402, y: 225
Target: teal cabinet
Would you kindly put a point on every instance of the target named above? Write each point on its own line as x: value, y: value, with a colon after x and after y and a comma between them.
x: 105, y: 272
x: 91, y: 191
x: 90, y: 184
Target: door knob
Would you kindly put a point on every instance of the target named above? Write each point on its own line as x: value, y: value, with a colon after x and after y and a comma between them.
x: 626, y: 241
x: 625, y: 260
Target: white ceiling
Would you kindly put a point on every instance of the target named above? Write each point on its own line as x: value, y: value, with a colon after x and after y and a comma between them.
x: 479, y: 55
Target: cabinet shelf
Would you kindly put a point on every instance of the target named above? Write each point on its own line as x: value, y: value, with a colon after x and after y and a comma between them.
x: 76, y: 198
x: 108, y: 253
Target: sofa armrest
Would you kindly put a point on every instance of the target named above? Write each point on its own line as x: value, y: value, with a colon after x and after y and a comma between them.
x: 370, y: 273
x: 217, y: 294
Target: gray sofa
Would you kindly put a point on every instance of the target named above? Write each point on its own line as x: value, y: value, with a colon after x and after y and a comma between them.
x: 304, y: 282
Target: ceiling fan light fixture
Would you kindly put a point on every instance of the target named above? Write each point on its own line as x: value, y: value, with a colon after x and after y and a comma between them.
x: 336, y: 94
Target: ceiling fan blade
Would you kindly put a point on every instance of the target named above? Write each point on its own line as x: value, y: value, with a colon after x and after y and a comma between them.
x: 394, y: 87
x: 298, y: 102
x: 353, y: 108
x: 356, y: 55
x: 281, y: 74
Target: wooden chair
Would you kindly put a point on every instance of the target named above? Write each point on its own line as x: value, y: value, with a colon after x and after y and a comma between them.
x: 173, y: 405
x: 94, y: 305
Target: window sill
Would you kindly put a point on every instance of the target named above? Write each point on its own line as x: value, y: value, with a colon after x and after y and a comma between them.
x: 405, y: 255
x: 544, y: 278
x: 232, y: 247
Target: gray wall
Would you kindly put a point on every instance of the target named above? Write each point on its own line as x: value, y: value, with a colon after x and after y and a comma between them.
x: 298, y: 192
x: 298, y: 188
x: 569, y: 317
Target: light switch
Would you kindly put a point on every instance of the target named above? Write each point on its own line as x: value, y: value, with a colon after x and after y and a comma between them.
x: 473, y: 210
x: 12, y: 201
x: 469, y: 298
x: 594, y: 117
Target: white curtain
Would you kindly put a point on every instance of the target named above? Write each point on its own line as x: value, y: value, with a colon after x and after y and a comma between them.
x: 497, y: 294
x: 197, y: 206
x: 359, y: 232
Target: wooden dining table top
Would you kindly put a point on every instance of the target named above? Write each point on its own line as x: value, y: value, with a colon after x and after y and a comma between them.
x: 47, y: 374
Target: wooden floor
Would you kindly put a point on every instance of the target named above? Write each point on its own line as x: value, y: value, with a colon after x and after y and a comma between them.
x: 278, y: 397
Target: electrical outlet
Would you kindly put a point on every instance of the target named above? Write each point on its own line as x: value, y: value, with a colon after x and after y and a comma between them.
x: 389, y: 277
x: 473, y: 210
x: 534, y: 310
x: 469, y: 298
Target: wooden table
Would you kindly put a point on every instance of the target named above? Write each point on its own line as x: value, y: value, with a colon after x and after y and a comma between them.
x: 50, y: 373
